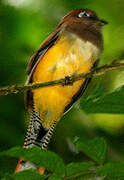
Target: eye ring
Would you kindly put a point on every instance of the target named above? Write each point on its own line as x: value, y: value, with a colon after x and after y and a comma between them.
x: 83, y: 14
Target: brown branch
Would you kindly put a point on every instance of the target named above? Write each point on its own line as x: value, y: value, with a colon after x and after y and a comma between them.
x: 69, y: 80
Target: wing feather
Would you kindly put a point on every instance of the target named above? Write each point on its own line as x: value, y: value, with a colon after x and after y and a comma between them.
x: 47, y: 44
x: 80, y: 92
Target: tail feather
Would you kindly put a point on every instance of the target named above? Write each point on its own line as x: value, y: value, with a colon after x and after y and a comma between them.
x: 45, y: 140
x: 37, y: 135
x: 34, y: 130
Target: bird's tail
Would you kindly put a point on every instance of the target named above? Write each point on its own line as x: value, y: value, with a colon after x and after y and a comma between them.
x: 37, y: 135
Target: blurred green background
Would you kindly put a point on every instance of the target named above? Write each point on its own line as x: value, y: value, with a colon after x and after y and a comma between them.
x: 24, y: 24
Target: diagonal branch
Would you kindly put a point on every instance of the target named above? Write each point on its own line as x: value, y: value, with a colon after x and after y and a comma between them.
x: 69, y: 80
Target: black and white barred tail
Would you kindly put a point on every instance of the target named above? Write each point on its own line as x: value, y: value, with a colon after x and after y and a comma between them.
x: 37, y: 135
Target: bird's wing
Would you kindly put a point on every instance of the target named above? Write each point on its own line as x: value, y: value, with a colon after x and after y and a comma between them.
x: 80, y: 92
x: 48, y: 43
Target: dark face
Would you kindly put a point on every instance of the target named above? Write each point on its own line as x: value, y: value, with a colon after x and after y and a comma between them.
x: 86, y: 24
x: 84, y: 16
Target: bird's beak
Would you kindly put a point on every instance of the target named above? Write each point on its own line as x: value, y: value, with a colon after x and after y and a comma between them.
x: 101, y: 22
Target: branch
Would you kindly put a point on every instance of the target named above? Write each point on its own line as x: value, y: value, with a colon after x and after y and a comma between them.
x: 69, y: 80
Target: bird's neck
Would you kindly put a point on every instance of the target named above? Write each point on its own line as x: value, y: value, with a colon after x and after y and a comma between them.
x: 85, y: 32
x: 73, y: 40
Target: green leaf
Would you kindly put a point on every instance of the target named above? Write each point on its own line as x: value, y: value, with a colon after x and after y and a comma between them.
x: 54, y: 177
x: 47, y: 159
x: 5, y: 165
x: 110, y: 103
x: 95, y: 149
x: 8, y: 177
x: 78, y: 168
x: 24, y: 175
x: 89, y: 177
x: 112, y: 170
x: 29, y: 174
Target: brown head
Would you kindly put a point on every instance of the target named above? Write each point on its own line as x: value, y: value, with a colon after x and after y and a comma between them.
x: 86, y: 24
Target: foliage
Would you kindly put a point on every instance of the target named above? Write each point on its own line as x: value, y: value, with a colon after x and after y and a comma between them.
x: 57, y: 170
x: 104, y: 103
x: 95, y: 149
x: 24, y: 24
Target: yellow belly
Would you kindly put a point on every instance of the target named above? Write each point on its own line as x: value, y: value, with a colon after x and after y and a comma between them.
x: 67, y: 57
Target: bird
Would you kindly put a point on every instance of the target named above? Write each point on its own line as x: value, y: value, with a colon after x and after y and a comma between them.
x: 74, y: 47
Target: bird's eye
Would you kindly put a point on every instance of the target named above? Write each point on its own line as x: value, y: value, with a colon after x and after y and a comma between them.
x: 83, y: 14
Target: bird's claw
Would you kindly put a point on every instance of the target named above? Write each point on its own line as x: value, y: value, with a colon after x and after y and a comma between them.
x: 68, y: 81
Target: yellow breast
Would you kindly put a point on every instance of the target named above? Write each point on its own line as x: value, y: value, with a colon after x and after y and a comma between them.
x: 70, y: 55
